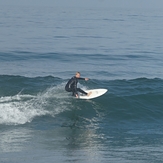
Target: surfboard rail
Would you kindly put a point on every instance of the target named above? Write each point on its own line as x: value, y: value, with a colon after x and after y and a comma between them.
x: 95, y: 93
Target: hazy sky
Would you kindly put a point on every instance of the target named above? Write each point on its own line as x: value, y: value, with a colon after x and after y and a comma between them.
x: 89, y: 3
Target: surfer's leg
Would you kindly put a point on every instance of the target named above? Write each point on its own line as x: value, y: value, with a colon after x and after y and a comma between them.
x: 71, y: 90
x: 73, y: 94
x: 88, y: 94
x: 81, y: 91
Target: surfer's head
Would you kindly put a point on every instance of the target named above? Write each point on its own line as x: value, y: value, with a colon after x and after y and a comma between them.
x: 77, y: 74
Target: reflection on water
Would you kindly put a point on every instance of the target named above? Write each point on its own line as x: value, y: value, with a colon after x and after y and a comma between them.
x: 75, y: 144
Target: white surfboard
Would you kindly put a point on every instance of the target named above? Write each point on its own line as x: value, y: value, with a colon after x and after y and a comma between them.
x: 95, y: 93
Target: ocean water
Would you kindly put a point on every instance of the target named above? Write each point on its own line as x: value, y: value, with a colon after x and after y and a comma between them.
x: 119, y: 49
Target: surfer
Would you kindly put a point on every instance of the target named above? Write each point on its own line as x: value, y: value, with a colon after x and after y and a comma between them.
x: 71, y: 85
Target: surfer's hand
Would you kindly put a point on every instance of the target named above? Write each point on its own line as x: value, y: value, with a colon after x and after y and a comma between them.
x: 77, y: 96
x: 86, y: 79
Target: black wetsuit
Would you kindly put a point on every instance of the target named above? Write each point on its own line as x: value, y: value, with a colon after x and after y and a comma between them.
x: 71, y: 86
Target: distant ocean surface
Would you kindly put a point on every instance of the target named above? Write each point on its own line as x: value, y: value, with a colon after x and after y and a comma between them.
x: 119, y: 49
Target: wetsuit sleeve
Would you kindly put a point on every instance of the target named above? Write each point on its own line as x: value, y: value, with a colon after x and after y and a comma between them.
x: 81, y: 78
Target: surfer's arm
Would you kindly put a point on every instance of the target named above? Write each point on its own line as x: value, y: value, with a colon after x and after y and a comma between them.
x: 83, y: 79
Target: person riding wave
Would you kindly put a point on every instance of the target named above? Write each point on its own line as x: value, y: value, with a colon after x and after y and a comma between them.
x: 71, y: 85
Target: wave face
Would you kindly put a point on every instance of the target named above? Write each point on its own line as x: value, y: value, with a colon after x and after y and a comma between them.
x: 24, y: 100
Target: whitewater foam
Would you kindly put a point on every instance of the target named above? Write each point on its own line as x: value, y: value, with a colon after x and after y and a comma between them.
x: 19, y: 112
x: 22, y: 108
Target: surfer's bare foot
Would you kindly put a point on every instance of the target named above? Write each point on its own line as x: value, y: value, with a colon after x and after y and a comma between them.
x: 89, y: 93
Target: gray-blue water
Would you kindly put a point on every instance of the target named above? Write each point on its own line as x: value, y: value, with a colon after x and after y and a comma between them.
x: 118, y: 48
